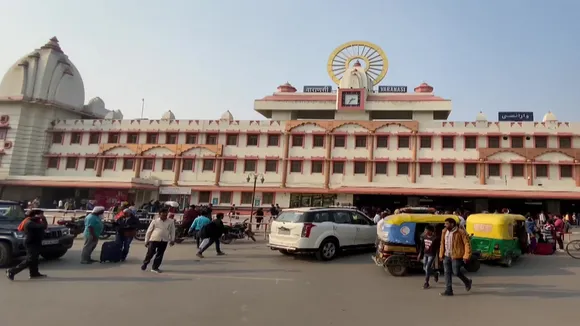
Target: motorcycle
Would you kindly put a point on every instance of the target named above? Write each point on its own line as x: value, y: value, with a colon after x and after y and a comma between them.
x: 75, y: 226
x: 144, y: 220
x: 237, y: 231
x: 182, y: 232
x: 109, y: 229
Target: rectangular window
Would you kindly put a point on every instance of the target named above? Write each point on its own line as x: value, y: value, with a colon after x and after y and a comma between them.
x: 267, y: 198
x: 317, y: 141
x: 246, y: 198
x: 3, y: 134
x: 494, y: 170
x: 110, y: 163
x: 338, y: 167
x: 90, y: 163
x: 425, y: 168
x: 71, y: 162
x: 271, y: 166
x: 252, y: 139
x: 517, y: 141
x: 167, y: 164
x: 152, y: 138
x: 448, y: 142
x: 565, y: 142
x: 204, y: 197
x: 297, y: 140
x: 493, y: 142
x: 273, y: 140
x: 402, y: 168
x: 381, y: 168
x: 360, y: 167
x: 208, y: 165
x: 470, y: 169
x: 403, y: 142
x: 132, y: 138
x: 295, y: 166
x: 541, y: 170
x: 57, y: 137
x: 517, y: 170
x: 232, y: 140
x: 382, y: 141
x: 113, y: 138
x: 250, y: 165
x: 540, y: 141
x: 148, y: 164
x: 187, y: 164
x: 225, y: 197
x: 426, y: 141
x: 76, y: 138
x: 191, y: 139
x: 211, y: 139
x: 360, y: 141
x: 316, y: 166
x: 171, y: 138
x: 339, y: 141
x: 128, y: 163
x: 470, y: 142
x: 52, y: 162
x: 448, y: 169
x: 566, y: 171
x: 94, y: 138
x: 229, y: 165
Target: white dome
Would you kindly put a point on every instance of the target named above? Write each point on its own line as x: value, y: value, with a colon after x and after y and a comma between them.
x: 168, y: 116
x: 47, y: 75
x: 356, y: 77
x: 481, y: 117
x: 227, y: 116
x: 549, y: 117
x: 114, y: 115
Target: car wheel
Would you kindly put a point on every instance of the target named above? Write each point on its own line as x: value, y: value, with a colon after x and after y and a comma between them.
x: 286, y: 252
x: 5, y: 254
x: 327, y: 250
x: 53, y: 255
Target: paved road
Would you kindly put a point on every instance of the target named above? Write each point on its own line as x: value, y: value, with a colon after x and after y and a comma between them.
x: 255, y: 286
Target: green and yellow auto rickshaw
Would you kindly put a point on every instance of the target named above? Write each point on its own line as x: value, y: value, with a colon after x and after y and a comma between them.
x: 497, y: 237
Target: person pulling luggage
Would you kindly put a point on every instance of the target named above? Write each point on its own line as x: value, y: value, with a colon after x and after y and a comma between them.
x: 211, y: 234
x: 93, y: 229
x: 127, y: 225
x: 33, y: 227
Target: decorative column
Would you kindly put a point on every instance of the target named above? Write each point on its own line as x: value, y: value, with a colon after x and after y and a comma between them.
x: 178, y: 163
x: 285, y: 159
x: 577, y: 173
x: 414, y: 157
x: 328, y: 160
x: 99, y: 166
x: 529, y: 172
x: 481, y: 171
x: 370, y: 162
x: 218, y: 170
x: 138, y: 162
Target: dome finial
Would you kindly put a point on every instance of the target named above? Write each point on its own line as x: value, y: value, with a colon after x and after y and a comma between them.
x: 357, y: 64
x: 52, y: 44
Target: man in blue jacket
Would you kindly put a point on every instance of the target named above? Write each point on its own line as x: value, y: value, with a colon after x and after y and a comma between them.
x: 198, y: 224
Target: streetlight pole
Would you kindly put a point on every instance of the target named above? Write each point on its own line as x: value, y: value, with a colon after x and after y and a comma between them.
x: 254, y: 177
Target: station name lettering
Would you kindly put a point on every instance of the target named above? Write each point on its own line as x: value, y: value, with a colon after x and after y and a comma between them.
x: 317, y: 89
x: 392, y: 89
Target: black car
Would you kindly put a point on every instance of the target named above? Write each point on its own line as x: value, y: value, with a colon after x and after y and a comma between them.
x: 57, y: 239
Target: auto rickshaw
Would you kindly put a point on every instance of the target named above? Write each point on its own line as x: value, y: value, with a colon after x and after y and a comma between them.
x: 497, y: 237
x: 399, y: 236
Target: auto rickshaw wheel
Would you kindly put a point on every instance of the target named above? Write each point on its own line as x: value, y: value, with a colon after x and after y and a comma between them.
x: 397, y: 265
x: 473, y: 266
x: 508, y: 260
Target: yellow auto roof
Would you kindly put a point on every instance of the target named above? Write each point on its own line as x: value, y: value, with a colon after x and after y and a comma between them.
x: 494, y: 218
x: 399, y: 219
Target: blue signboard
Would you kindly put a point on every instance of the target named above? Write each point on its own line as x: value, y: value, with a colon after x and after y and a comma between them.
x: 317, y: 89
x: 392, y: 89
x: 515, y: 116
x: 401, y: 234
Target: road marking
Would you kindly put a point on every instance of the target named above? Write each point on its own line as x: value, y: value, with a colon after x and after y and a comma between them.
x: 232, y: 277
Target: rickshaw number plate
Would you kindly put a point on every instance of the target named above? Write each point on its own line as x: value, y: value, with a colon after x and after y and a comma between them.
x: 482, y: 227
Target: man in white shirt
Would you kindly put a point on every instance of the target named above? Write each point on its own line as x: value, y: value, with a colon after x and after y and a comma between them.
x: 160, y: 232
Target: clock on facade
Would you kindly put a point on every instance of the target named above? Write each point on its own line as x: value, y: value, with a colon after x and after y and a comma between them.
x: 351, y: 99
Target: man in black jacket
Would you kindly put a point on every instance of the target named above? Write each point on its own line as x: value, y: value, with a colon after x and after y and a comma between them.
x: 127, y: 226
x: 211, y: 234
x: 34, y: 227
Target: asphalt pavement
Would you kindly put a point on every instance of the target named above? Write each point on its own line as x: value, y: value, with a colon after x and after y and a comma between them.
x: 253, y: 285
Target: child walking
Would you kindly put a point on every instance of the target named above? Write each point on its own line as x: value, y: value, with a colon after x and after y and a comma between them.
x: 429, y: 247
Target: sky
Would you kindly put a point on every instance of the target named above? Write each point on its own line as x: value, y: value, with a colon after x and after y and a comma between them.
x: 200, y: 58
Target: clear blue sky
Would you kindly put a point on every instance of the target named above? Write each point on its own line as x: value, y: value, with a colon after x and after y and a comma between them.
x: 202, y: 57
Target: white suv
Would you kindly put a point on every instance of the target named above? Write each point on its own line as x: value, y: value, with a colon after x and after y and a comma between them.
x: 321, y: 231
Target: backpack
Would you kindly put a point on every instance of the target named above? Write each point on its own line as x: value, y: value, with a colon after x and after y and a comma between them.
x: 22, y: 224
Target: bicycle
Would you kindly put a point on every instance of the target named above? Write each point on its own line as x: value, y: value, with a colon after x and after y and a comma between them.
x: 573, y: 249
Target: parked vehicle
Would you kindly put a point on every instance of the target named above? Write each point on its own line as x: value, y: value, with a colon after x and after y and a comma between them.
x: 237, y: 231
x: 497, y: 237
x: 57, y: 239
x: 75, y: 226
x: 321, y: 231
x: 145, y: 219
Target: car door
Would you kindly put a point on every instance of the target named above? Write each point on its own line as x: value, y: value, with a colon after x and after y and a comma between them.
x: 366, y: 231
x: 344, y: 229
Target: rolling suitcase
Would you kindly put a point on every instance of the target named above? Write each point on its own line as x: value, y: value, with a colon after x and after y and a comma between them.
x: 110, y: 252
x: 544, y: 249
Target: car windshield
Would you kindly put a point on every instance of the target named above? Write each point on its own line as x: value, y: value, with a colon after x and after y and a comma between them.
x: 289, y: 216
x: 11, y: 213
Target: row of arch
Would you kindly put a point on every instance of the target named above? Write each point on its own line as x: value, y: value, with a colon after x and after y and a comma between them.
x: 371, y: 126
x: 529, y: 153
x: 177, y: 149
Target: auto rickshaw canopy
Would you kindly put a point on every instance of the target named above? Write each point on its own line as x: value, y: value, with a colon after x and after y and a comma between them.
x: 492, y: 226
x: 398, y: 219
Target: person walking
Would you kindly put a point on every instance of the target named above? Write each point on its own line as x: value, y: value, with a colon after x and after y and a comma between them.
x: 455, y: 251
x: 199, y: 223
x: 211, y: 234
x: 127, y: 225
x: 428, y: 249
x: 259, y: 217
x: 161, y: 231
x: 33, y: 227
x: 93, y: 229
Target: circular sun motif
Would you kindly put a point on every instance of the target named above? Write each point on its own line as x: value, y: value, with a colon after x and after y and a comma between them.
x: 405, y: 230
x: 369, y: 55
